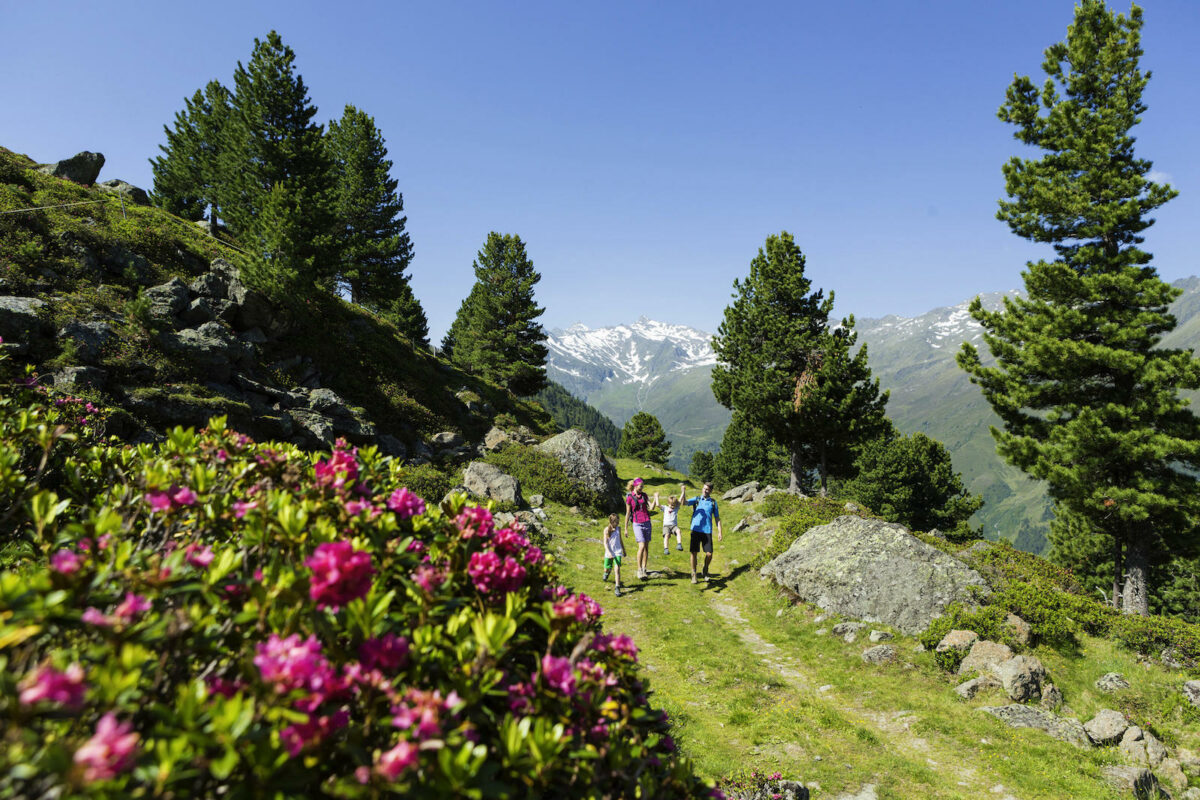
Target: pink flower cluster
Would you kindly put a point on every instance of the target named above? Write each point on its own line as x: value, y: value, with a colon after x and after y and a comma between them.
x: 198, y: 556
x: 297, y: 736
x: 493, y: 575
x: 579, y: 607
x: 621, y: 645
x: 64, y: 688
x: 339, y: 574
x: 393, y: 763
x: 499, y: 567
x: 340, y: 470
x: 109, y: 752
x: 175, y: 497
x: 422, y: 713
x: 558, y: 675
x: 126, y: 610
x: 405, y: 504
x: 429, y: 577
x: 65, y: 562
x: 387, y: 653
x: 291, y: 664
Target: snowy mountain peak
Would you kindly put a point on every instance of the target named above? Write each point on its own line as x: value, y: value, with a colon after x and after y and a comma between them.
x: 635, y: 353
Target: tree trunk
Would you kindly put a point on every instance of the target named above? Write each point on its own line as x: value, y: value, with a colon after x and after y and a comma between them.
x: 824, y: 472
x: 212, y: 220
x: 1118, y: 568
x: 1137, y: 593
x: 797, y: 467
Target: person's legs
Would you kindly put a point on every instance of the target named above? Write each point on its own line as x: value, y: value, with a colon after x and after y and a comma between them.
x: 708, y: 553
x: 617, y: 574
x: 694, y: 547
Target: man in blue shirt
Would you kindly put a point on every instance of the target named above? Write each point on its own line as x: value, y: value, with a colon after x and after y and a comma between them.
x: 704, y: 514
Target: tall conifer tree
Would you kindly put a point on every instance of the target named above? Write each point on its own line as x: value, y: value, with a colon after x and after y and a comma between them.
x: 781, y: 364
x: 1089, y: 404
x: 190, y: 177
x: 281, y: 199
x: 496, y: 333
x: 375, y: 248
x: 643, y: 438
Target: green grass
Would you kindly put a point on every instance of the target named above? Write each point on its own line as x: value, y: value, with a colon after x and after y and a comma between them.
x: 900, y: 727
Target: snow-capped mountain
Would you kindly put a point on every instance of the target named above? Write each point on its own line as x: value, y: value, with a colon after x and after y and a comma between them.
x: 647, y: 366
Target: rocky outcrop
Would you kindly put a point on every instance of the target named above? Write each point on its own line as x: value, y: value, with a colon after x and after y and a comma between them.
x: 81, y: 168
x: 1021, y: 677
x: 126, y: 190
x: 1107, y: 727
x: 487, y: 480
x: 1138, y: 780
x: 984, y: 656
x: 21, y: 322
x: 875, y: 571
x: 584, y: 462
x: 1066, y: 729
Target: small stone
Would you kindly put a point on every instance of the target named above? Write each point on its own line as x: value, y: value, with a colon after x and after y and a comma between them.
x: 957, y: 640
x: 969, y: 689
x: 880, y: 636
x: 1111, y: 682
x: 1191, y: 690
x: 880, y: 654
x: 820, y: 631
x: 1107, y: 727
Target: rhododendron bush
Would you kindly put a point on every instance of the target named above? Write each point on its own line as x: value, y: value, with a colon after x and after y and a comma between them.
x: 218, y: 617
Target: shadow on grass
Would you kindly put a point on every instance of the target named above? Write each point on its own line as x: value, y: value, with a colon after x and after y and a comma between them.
x: 717, y: 583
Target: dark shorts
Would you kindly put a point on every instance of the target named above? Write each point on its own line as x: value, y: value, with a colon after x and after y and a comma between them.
x: 701, y: 541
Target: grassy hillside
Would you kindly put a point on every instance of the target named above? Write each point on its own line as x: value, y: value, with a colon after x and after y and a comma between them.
x: 91, y: 258
x: 753, y: 681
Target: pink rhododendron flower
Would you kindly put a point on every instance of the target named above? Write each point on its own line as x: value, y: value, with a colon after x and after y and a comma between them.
x: 93, y: 616
x: 422, y: 712
x: 387, y: 653
x: 520, y: 696
x: 557, y: 674
x: 109, y: 752
x: 510, y: 542
x: 416, y: 546
x: 199, y: 556
x: 47, y: 683
x: 240, y: 508
x: 131, y: 606
x: 356, y: 507
x: 292, y: 664
x: 224, y: 686
x: 405, y: 503
x: 429, y: 578
x: 494, y: 576
x: 579, y: 607
x: 300, y: 735
x: 340, y: 574
x: 394, y: 762
x: 340, y: 469
x: 158, y: 501
x: 65, y: 562
x: 533, y: 555
x: 474, y: 521
x: 183, y: 496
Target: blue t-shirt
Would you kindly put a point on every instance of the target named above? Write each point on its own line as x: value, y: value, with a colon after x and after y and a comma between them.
x: 704, y: 514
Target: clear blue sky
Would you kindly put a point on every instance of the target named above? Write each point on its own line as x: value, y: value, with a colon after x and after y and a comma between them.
x: 642, y: 150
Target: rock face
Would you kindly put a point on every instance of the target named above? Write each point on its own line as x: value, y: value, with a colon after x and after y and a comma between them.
x: 875, y: 571
x: 487, y: 480
x: 81, y: 168
x: 1191, y: 690
x: 584, y: 463
x: 20, y: 321
x: 1065, y: 729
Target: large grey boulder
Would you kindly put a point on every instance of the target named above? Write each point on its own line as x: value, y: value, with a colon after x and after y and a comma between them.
x: 488, y: 480
x: 881, y: 654
x: 211, y: 347
x: 88, y: 338
x: 1138, y: 780
x: 584, y: 463
x: 167, y: 300
x: 738, y: 492
x: 1107, y: 727
x: 960, y: 641
x: 1065, y: 729
x: 1111, y: 682
x: 128, y: 191
x: 81, y: 168
x: 1021, y: 677
x: 875, y: 571
x: 314, y: 428
x: 21, y: 321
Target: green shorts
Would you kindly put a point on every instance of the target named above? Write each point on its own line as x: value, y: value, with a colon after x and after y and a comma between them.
x: 608, y: 562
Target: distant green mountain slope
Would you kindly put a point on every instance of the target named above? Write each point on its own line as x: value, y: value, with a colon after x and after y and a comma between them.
x: 569, y: 411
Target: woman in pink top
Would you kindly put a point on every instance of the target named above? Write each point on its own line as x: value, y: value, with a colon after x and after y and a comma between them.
x: 638, y: 508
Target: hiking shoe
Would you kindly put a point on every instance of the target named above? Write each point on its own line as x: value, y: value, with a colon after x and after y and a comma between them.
x: 666, y: 551
x: 693, y: 577
x: 607, y: 572
x: 679, y: 546
x: 617, y: 591
x: 706, y: 576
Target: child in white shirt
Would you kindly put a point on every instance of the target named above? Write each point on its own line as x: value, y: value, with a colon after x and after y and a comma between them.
x: 614, y: 549
x: 671, y: 523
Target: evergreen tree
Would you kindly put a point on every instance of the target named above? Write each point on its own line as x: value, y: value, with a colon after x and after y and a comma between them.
x: 911, y: 480
x: 375, y: 248
x: 702, y: 469
x: 780, y: 363
x: 189, y: 176
x: 280, y: 198
x: 495, y: 333
x: 569, y: 411
x: 1089, y: 404
x: 643, y: 438
x: 748, y: 453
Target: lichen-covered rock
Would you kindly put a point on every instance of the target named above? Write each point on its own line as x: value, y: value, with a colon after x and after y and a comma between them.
x: 1138, y: 780
x: 848, y: 630
x: 21, y: 321
x: 1170, y: 771
x: 958, y: 640
x: 1191, y: 690
x: 1021, y: 677
x: 739, y: 492
x: 771, y: 790
x: 1019, y: 629
x: 1111, y: 682
x: 72, y: 379
x: 968, y: 689
x: 1107, y: 727
x: 1052, y: 697
x: 1066, y: 729
x: 875, y: 571
x: 494, y: 438
x: 880, y: 636
x: 488, y: 480
x: 134, y: 194
x: 584, y: 462
x: 88, y: 339
x: 167, y: 300
x: 984, y: 657
x: 880, y: 654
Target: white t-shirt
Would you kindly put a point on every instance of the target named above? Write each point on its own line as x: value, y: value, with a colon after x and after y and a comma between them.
x: 614, y: 543
x: 670, y: 517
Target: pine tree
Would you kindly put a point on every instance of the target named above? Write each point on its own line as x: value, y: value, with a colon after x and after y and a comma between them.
x: 1087, y: 401
x: 702, y: 468
x: 280, y: 202
x: 495, y: 333
x: 911, y: 480
x: 189, y: 176
x: 748, y: 453
x: 643, y: 438
x: 780, y: 364
x: 375, y: 248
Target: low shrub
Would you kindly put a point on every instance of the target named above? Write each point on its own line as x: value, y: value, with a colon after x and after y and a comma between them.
x: 1152, y: 635
x: 216, y: 617
x: 780, y: 504
x: 811, y: 511
x: 987, y: 621
x: 541, y: 473
x: 1006, y: 561
x: 425, y: 480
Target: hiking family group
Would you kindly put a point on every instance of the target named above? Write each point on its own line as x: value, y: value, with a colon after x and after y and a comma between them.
x: 638, y: 510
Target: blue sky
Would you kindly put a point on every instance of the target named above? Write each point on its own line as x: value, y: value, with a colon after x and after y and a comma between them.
x: 642, y: 150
